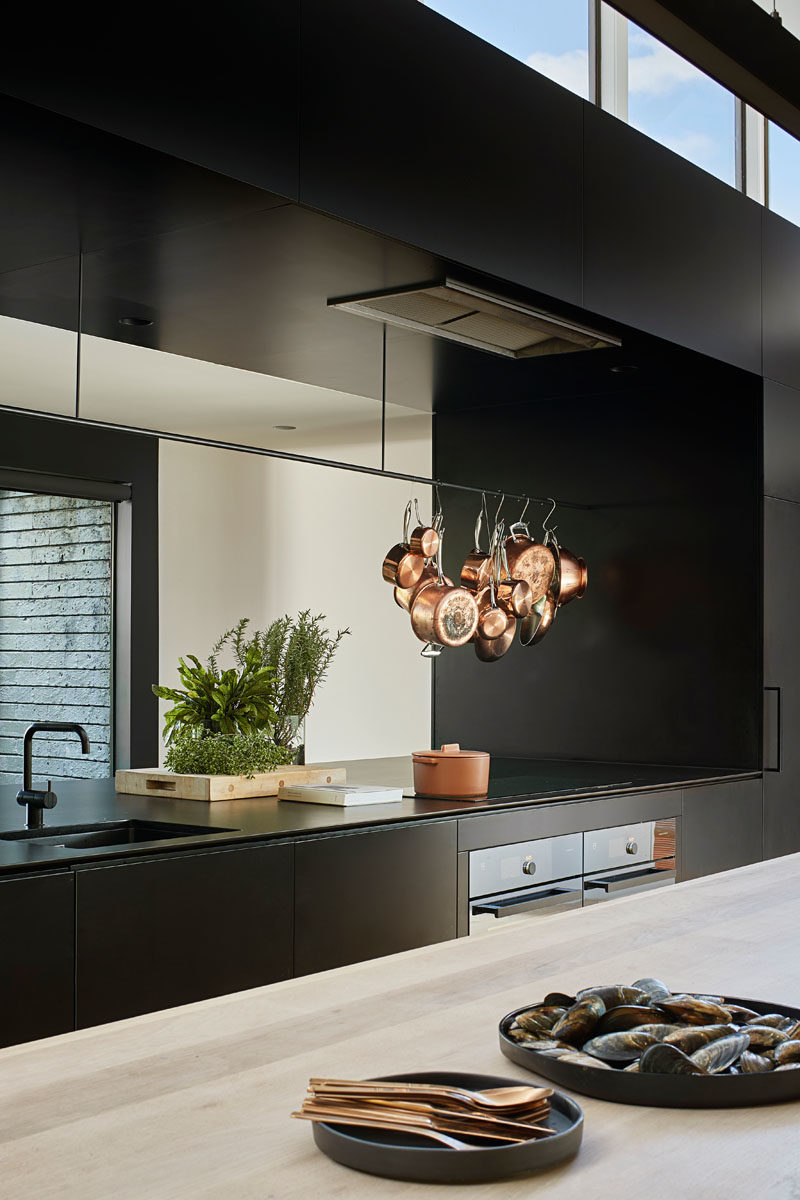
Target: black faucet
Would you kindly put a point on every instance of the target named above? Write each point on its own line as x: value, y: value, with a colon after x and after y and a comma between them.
x: 35, y: 801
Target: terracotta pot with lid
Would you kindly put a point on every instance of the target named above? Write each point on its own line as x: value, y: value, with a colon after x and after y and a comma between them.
x: 451, y: 773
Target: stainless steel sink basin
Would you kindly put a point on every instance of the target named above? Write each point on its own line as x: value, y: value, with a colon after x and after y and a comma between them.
x: 109, y: 833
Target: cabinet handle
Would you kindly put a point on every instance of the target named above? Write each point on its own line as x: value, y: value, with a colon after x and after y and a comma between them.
x: 773, y: 729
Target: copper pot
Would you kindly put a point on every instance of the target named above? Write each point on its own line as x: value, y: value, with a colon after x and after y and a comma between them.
x: 404, y: 597
x: 451, y: 773
x: 478, y: 564
x: 515, y: 596
x: 425, y: 541
x: 401, y: 566
x: 444, y: 614
x: 490, y: 649
x: 534, y: 627
x: 492, y: 619
x: 574, y: 577
x: 529, y: 560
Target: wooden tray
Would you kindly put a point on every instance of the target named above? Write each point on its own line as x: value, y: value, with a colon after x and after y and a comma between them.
x: 207, y: 788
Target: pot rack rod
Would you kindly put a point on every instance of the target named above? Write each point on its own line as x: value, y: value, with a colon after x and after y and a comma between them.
x: 290, y: 456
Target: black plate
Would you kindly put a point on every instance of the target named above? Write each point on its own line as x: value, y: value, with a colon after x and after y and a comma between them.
x: 403, y: 1156
x: 661, y: 1091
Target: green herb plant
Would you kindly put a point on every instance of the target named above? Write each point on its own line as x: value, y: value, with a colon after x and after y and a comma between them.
x: 213, y: 701
x: 245, y: 754
x: 297, y: 652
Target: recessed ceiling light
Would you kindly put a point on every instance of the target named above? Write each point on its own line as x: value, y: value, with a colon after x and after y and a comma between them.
x: 624, y: 369
x: 286, y: 427
x: 136, y: 322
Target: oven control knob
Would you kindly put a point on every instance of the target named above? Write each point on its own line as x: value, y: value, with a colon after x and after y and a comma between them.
x: 529, y: 866
x: 632, y: 847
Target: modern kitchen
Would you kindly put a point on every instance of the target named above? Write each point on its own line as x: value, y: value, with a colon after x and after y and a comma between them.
x: 398, y: 653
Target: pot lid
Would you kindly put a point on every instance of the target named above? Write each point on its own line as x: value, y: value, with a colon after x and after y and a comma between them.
x: 452, y: 750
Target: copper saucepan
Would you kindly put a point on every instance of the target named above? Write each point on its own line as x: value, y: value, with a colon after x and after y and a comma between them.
x: 442, y: 613
x: 529, y: 560
x: 404, y: 597
x: 492, y: 620
x: 514, y: 595
x: 478, y: 564
x: 425, y: 538
x: 401, y: 566
x: 537, y: 623
x: 490, y: 649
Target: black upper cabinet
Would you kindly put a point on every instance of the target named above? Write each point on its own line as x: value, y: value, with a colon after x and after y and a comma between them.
x: 217, y: 89
x: 668, y: 248
x: 415, y: 128
x: 781, y: 441
x: 37, y: 920
x: 781, y: 299
x: 362, y: 895
x: 179, y: 928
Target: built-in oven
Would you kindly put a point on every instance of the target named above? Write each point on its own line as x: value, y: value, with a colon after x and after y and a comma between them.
x: 524, y: 879
x: 628, y: 859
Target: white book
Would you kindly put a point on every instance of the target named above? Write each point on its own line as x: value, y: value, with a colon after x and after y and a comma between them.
x: 340, y: 794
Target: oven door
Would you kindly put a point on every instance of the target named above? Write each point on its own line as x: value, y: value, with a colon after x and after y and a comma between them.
x: 628, y: 881
x: 499, y: 911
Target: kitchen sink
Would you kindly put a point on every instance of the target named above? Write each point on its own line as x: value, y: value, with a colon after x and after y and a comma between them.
x: 109, y: 833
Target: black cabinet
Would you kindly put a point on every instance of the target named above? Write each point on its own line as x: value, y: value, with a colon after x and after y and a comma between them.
x: 37, y: 926
x: 181, y: 927
x: 721, y: 827
x: 781, y: 677
x: 362, y: 895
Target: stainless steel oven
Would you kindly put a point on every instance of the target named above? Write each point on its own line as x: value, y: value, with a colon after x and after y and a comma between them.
x: 525, y: 879
x: 628, y: 859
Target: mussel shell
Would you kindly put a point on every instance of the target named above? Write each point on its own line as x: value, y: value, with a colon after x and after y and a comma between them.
x: 614, y: 994
x: 792, y: 1031
x: 787, y: 1052
x: 692, y: 1010
x: 660, y: 1032
x: 742, y: 1016
x: 717, y: 1056
x: 663, y: 1059
x: 788, y: 1067
x: 776, y: 1020
x: 765, y: 1037
x: 654, y: 989
x: 576, y: 1059
x: 578, y: 1022
x: 703, y: 996
x: 619, y: 1047
x: 558, y: 1000
x: 535, y: 1022
x: 536, y: 1041
x: 692, y: 1037
x: 753, y: 1064
x: 624, y: 1016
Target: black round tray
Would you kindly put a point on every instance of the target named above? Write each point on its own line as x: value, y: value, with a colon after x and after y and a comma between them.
x: 661, y: 1091
x: 403, y: 1156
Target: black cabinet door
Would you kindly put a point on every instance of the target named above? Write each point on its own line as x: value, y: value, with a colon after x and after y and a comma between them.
x: 361, y: 895
x: 37, y: 928
x: 781, y: 678
x: 721, y: 827
x: 181, y: 927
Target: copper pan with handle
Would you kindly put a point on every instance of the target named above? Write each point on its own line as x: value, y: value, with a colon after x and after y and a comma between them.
x: 402, y: 566
x: 441, y: 613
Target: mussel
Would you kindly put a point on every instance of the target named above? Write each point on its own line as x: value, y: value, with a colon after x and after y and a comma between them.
x: 765, y: 1037
x: 624, y: 1016
x: 693, y: 1010
x: 717, y: 1056
x: 578, y: 1022
x: 535, y: 1021
x: 776, y: 1020
x: 787, y: 1052
x: 662, y: 1059
x: 691, y: 1037
x: 619, y: 1047
x: 614, y: 994
x: 753, y: 1064
x: 654, y: 989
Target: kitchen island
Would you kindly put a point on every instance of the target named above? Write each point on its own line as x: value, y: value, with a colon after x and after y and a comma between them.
x: 195, y: 1102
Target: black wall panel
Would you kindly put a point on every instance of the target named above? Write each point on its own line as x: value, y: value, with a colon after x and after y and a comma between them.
x: 781, y: 441
x: 668, y: 248
x: 781, y: 300
x: 217, y: 87
x: 415, y: 128
x: 655, y: 663
x: 721, y: 828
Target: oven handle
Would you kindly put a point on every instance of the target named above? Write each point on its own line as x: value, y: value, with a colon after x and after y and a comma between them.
x: 552, y: 897
x: 614, y: 884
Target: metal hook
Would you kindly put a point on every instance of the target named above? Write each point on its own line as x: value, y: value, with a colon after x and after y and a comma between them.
x: 406, y: 523
x: 525, y: 509
x: 546, y: 522
x: 499, y: 507
x: 438, y: 516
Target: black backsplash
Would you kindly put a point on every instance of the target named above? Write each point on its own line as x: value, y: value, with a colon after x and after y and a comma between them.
x: 661, y: 660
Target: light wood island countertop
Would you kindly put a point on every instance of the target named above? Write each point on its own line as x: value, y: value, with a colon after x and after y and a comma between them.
x: 195, y: 1102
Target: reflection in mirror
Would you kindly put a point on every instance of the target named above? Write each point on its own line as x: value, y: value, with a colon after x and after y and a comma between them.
x: 245, y: 535
x: 38, y: 337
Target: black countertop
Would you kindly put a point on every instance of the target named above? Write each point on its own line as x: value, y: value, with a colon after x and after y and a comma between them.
x: 513, y: 781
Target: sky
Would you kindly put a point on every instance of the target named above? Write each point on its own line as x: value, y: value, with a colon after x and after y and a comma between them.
x: 668, y: 98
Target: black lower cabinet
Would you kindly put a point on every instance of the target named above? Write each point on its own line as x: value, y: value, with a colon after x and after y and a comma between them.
x: 721, y: 827
x: 37, y: 921
x: 170, y: 930
x: 362, y: 895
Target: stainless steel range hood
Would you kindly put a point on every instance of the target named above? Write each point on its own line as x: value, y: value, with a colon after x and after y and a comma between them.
x: 462, y: 313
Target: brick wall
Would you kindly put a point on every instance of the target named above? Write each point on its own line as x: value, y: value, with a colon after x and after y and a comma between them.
x: 55, y: 632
